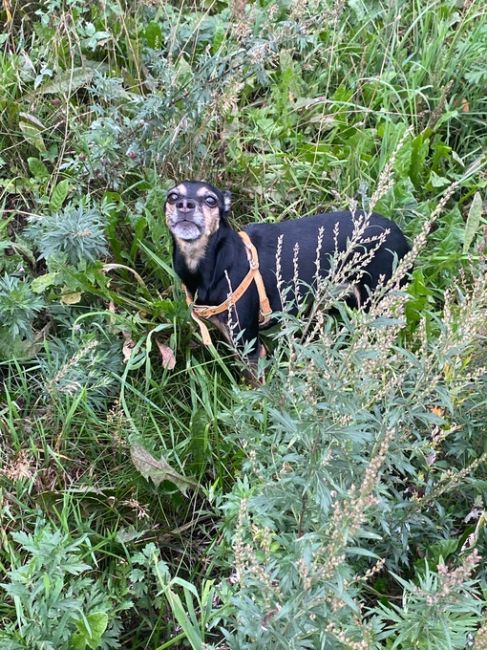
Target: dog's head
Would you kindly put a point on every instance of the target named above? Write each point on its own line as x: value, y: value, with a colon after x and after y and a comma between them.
x: 194, y: 209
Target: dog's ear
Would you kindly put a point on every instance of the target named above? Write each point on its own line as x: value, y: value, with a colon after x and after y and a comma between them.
x: 227, y: 202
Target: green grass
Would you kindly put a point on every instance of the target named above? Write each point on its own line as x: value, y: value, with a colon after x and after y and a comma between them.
x: 295, y: 108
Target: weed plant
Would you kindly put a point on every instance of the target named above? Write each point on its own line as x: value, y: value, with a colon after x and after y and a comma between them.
x: 149, y: 499
x: 354, y: 449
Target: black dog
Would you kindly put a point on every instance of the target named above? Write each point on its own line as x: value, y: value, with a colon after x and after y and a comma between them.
x: 212, y: 259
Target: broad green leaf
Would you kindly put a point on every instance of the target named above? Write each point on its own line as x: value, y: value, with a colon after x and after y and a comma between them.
x: 473, y: 222
x: 32, y: 129
x: 37, y: 168
x: 77, y: 642
x: 72, y: 298
x: 42, y: 282
x: 83, y: 638
x: 153, y: 35
x: 98, y: 622
x: 158, y: 470
x: 71, y: 80
x: 438, y: 181
x: 58, y: 195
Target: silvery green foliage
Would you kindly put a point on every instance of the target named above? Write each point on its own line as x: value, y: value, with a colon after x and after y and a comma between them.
x: 56, y: 603
x: 18, y: 307
x: 189, y: 66
x: 440, y: 609
x: 76, y: 234
x: 333, y: 493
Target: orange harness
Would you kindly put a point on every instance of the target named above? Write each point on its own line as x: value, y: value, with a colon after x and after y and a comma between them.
x: 199, y: 312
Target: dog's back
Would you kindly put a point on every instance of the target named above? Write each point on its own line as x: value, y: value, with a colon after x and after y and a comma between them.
x: 362, y: 250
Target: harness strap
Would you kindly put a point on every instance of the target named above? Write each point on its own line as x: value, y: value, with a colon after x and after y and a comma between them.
x: 199, y: 312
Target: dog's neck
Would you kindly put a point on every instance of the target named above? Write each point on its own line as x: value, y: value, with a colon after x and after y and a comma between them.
x: 201, y: 264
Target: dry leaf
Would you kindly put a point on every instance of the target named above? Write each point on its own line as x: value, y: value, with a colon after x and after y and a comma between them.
x: 474, y: 514
x: 167, y: 356
x: 128, y: 346
x: 158, y: 470
x: 431, y: 458
x: 438, y: 411
x: 465, y: 105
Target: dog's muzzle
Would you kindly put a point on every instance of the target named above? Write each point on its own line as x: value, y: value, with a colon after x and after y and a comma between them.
x: 187, y: 224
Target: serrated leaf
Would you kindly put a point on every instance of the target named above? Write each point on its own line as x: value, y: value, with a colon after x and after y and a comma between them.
x: 37, y: 168
x: 58, y: 195
x: 158, y: 470
x: 42, y: 282
x: 473, y: 222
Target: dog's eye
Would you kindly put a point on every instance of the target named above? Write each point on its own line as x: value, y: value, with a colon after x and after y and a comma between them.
x: 211, y: 201
x: 172, y: 197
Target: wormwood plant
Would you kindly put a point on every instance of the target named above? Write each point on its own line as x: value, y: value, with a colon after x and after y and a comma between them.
x: 19, y: 307
x: 75, y: 234
x: 345, y: 480
x: 85, y: 366
x: 57, y: 604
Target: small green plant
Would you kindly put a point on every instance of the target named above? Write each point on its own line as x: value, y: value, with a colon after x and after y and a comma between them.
x: 76, y: 234
x: 439, y: 609
x: 85, y: 366
x: 18, y: 307
x: 56, y: 603
x: 197, y: 615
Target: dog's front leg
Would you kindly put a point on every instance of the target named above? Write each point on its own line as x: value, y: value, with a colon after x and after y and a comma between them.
x: 243, y: 321
x: 246, y: 337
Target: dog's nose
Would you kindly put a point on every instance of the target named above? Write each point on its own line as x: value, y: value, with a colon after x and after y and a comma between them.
x: 185, y: 205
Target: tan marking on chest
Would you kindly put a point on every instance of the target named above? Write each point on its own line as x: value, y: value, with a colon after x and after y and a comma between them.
x: 194, y: 251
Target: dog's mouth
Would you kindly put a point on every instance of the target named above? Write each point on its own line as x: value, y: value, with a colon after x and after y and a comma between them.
x: 187, y: 230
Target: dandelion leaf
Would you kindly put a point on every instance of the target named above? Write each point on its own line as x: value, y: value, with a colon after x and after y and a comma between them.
x: 158, y: 470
